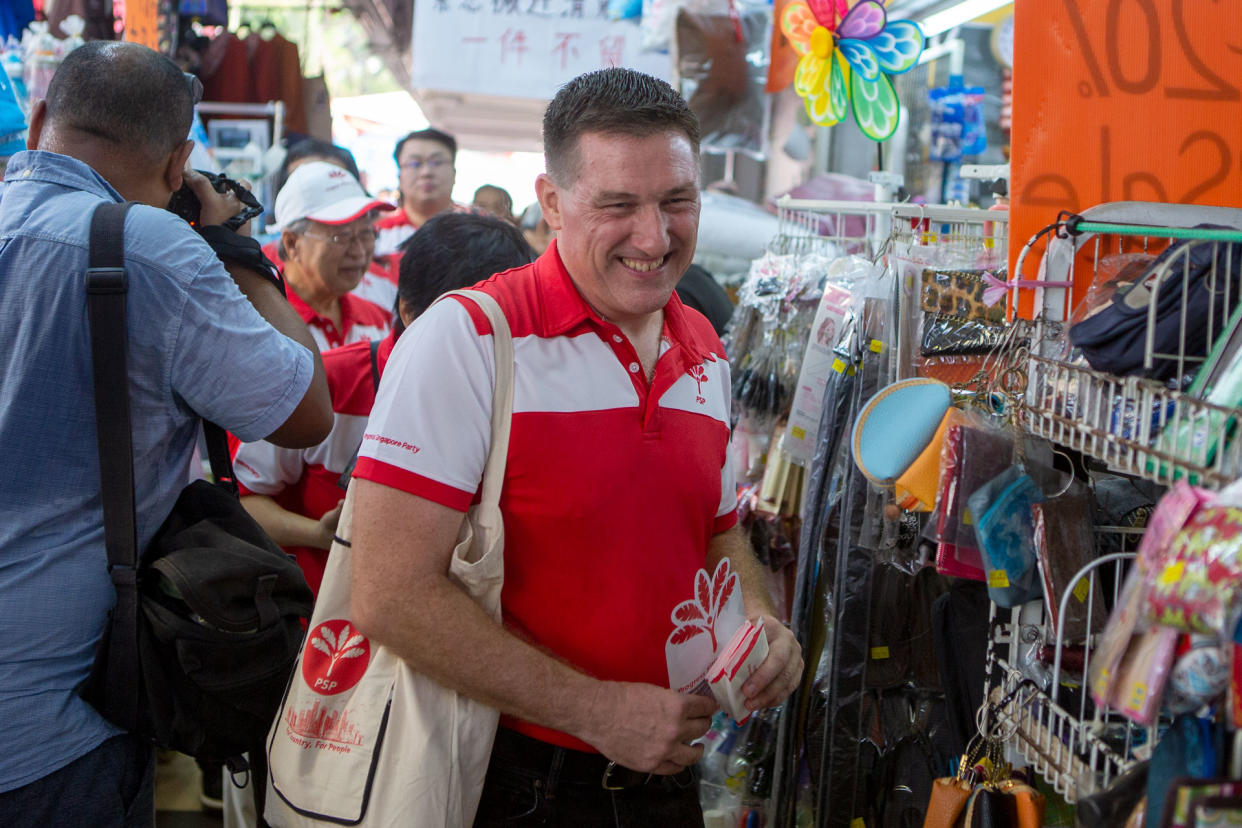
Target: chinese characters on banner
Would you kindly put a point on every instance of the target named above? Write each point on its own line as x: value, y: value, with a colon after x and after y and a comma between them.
x: 1123, y: 100
x: 521, y: 48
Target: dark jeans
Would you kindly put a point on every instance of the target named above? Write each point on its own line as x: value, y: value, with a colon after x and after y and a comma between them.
x: 113, y: 786
x: 533, y: 783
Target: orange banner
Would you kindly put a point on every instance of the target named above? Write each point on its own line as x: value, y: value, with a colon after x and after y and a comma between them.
x: 142, y: 22
x: 1123, y: 100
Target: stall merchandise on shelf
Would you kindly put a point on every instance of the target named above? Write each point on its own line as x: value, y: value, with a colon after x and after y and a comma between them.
x: 993, y: 612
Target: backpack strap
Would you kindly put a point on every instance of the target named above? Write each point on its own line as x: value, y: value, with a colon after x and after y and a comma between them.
x: 106, y: 289
x: 348, y: 473
x: 375, y: 375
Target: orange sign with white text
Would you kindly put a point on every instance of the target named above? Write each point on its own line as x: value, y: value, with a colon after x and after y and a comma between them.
x: 1123, y: 100
x: 142, y: 22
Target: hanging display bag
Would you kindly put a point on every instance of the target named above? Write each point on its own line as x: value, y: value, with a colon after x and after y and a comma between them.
x: 916, y: 487
x: 1006, y: 533
x: 896, y: 425
x: 363, y: 739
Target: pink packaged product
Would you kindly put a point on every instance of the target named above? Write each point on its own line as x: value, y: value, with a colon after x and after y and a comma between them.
x: 1200, y: 585
x: 1132, y: 660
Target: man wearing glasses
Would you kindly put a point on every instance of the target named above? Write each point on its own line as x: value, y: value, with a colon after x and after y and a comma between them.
x: 327, y: 239
x: 425, y: 163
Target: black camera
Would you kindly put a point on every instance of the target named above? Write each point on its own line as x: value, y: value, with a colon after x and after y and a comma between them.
x: 185, y: 204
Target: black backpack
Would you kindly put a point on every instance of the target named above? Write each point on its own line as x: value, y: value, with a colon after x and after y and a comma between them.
x: 208, y: 621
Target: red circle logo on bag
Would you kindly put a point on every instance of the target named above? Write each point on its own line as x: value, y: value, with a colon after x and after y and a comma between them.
x: 336, y: 657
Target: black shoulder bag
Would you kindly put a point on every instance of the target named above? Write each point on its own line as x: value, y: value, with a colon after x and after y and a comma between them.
x: 208, y: 619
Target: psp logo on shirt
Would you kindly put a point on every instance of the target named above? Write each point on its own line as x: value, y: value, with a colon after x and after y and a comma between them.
x: 698, y: 373
x: 336, y: 657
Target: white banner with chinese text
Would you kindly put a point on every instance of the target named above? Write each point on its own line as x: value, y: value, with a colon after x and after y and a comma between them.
x: 521, y: 48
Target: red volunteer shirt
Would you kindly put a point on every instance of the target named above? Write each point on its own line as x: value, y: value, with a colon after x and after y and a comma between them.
x: 613, y: 487
x: 304, y: 481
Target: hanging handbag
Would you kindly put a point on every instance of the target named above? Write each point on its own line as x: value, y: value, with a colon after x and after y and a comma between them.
x: 208, y: 619
x: 363, y: 739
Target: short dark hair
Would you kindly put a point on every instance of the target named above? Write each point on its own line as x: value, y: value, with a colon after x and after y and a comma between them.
x: 618, y: 101
x: 454, y: 251
x: 429, y: 134
x: 124, y: 94
x: 504, y: 194
x: 313, y: 148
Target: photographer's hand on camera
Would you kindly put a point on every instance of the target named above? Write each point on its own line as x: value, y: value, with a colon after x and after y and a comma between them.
x: 217, y: 207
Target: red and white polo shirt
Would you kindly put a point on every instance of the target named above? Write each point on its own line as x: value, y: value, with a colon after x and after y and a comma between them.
x: 613, y: 486
x: 304, y: 481
x: 360, y: 321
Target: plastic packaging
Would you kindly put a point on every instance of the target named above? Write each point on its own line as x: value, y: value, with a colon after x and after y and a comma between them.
x: 972, y: 455
x: 722, y: 69
x: 1005, y: 530
x: 1200, y: 586
x: 1063, y: 545
x: 1131, y: 661
x: 1199, y: 676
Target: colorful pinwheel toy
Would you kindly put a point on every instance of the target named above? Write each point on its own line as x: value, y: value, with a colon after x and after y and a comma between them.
x: 847, y: 65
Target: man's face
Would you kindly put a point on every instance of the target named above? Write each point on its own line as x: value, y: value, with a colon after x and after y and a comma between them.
x: 337, y: 255
x: 427, y: 173
x: 627, y: 227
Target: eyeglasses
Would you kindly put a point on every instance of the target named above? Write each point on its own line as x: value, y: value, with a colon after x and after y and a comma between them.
x: 363, y: 237
x: 196, y: 87
x: 432, y: 164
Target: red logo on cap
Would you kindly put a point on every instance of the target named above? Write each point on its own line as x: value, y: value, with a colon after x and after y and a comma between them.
x: 336, y: 657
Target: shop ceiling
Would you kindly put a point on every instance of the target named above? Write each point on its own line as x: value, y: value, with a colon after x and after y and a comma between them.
x: 487, y: 122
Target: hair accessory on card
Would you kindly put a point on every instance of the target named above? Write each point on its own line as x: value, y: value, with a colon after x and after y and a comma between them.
x: 896, y: 425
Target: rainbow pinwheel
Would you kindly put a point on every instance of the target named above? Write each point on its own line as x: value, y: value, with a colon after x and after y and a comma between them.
x: 848, y: 64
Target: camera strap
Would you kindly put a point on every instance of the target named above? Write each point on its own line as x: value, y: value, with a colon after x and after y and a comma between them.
x: 107, y: 286
x: 106, y: 289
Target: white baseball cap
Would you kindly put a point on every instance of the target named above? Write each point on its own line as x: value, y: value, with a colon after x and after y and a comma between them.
x: 323, y: 192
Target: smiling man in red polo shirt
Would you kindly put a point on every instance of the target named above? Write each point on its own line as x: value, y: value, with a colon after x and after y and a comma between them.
x: 327, y: 238
x: 618, y: 485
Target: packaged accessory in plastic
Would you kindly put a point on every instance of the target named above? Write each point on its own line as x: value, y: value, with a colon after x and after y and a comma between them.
x: 1064, y: 545
x: 1200, y: 585
x: 1006, y: 531
x: 1132, y: 660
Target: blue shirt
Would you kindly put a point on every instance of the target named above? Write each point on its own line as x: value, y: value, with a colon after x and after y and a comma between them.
x: 195, y: 345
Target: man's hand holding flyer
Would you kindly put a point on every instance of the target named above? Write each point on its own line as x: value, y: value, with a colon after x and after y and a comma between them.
x: 713, y: 648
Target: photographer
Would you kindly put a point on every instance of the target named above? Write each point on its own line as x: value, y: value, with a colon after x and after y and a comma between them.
x: 205, y: 338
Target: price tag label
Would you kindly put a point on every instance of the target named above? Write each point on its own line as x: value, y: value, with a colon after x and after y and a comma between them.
x: 1081, y: 589
x: 879, y: 653
x: 1144, y: 106
x: 998, y: 579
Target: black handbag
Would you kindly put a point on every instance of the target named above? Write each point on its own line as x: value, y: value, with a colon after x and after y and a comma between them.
x: 208, y: 620
x: 1114, y: 339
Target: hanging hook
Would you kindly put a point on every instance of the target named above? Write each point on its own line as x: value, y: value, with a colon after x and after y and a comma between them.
x: 1072, y: 473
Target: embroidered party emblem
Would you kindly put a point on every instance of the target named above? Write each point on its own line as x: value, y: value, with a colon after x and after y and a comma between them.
x: 699, y: 374
x: 336, y: 657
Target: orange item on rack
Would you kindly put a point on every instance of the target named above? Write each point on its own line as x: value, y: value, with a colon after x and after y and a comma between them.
x: 1145, y: 109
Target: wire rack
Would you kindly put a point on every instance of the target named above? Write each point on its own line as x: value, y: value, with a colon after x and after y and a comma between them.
x: 1078, y: 747
x: 970, y: 228
x: 1135, y: 425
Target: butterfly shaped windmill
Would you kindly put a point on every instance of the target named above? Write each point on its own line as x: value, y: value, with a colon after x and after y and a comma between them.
x: 848, y: 65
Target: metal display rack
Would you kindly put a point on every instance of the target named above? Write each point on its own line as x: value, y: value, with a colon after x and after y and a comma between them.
x: 868, y: 229
x: 1079, y: 749
x: 1120, y: 420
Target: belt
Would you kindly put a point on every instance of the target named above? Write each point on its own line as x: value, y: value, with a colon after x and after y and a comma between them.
x: 578, y: 767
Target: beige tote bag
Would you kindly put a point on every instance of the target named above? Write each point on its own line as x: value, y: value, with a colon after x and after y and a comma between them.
x: 362, y: 739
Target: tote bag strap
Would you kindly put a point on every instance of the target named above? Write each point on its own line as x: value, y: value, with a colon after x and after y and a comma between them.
x: 502, y: 394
